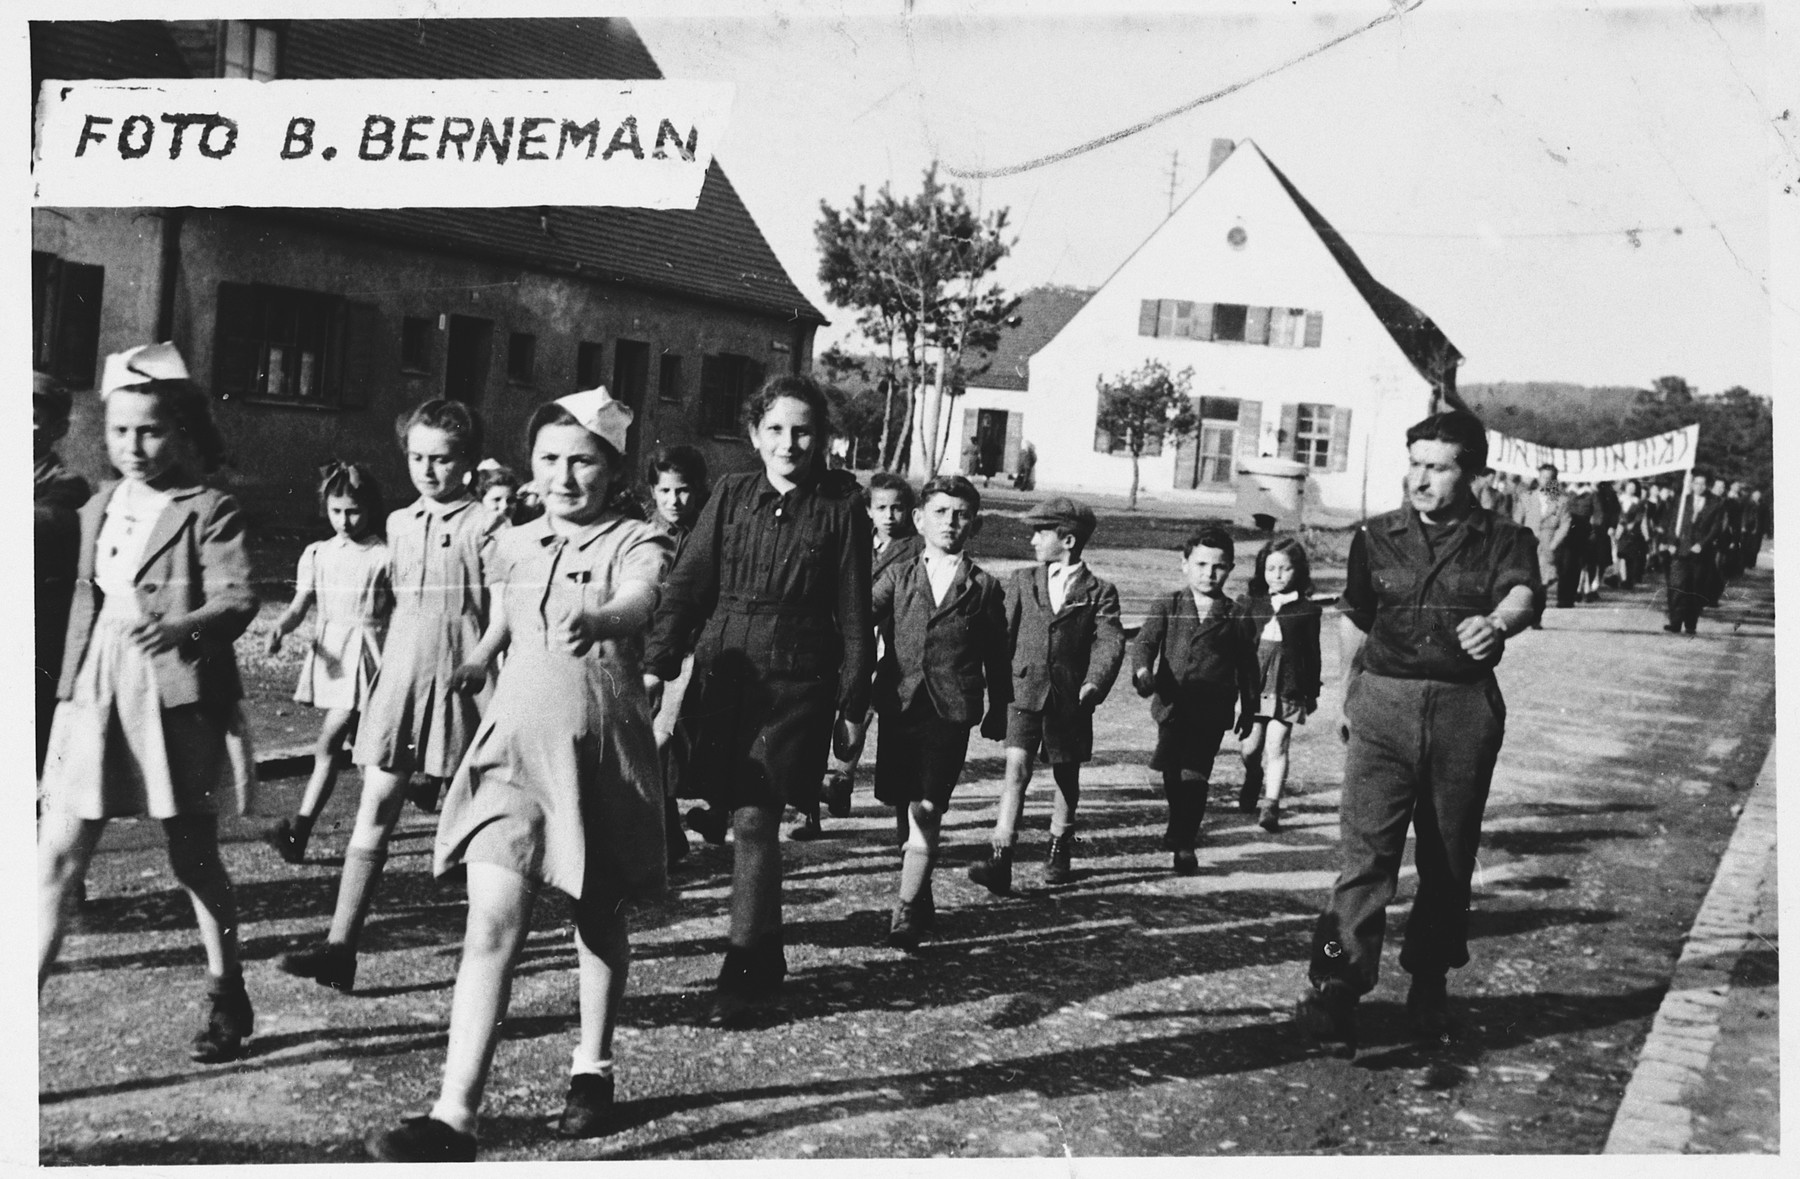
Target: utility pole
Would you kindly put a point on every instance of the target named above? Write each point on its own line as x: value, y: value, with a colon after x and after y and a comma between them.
x: 1174, y: 171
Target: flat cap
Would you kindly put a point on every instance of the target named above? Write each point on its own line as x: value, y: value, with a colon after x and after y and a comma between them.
x: 1063, y: 512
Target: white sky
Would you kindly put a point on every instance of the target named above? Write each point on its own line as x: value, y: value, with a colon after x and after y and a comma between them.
x: 1485, y: 160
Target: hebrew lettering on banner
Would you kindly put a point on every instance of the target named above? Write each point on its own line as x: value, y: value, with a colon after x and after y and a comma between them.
x: 1636, y: 459
x: 375, y: 143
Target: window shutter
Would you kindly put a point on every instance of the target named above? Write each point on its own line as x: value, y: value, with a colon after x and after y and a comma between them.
x: 357, y: 341
x: 1290, y: 426
x: 1249, y: 430
x: 1187, y: 461
x: 713, y: 393
x: 1203, y: 321
x: 1165, y: 318
x: 237, y: 347
x: 1147, y: 317
x: 1315, y: 328
x: 1256, y: 325
x: 78, y: 322
x: 971, y: 426
x: 1184, y: 320
x: 1103, y: 440
x: 1339, y: 458
x: 1015, y: 437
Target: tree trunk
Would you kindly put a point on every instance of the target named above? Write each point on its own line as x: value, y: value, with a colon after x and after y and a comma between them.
x: 887, y: 422
x: 1134, y: 482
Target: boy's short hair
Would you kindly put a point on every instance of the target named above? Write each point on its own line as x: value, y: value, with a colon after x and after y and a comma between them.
x: 888, y: 481
x: 954, y: 486
x: 1211, y: 537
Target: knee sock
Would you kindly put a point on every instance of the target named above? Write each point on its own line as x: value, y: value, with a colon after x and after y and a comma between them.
x: 356, y: 892
x: 915, y: 874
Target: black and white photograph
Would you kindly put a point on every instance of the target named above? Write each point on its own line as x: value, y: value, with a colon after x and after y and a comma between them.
x: 902, y: 580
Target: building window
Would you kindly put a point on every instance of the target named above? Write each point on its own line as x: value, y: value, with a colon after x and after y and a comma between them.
x: 668, y: 377
x: 726, y: 382
x: 280, y: 345
x: 65, y: 318
x: 521, y: 358
x: 1278, y: 327
x: 587, y: 366
x: 251, y: 50
x: 416, y: 335
x: 1313, y: 439
x: 1228, y: 321
x: 631, y: 373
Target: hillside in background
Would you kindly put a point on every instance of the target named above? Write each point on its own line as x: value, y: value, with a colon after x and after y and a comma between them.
x: 1554, y: 413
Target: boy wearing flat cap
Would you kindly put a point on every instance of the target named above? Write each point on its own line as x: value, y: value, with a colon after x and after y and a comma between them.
x: 1067, y: 645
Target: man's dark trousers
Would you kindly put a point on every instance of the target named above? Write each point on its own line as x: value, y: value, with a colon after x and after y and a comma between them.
x: 1688, y: 574
x: 1422, y: 752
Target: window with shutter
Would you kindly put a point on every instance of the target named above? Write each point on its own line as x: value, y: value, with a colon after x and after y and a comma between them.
x: 1314, y: 442
x: 1147, y: 313
x: 1165, y: 318
x: 1228, y: 321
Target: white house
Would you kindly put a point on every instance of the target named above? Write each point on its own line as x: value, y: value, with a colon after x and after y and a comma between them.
x: 1297, y: 352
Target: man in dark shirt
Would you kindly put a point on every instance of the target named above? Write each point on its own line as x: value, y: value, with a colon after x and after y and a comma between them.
x: 1432, y: 593
x: 1692, y: 522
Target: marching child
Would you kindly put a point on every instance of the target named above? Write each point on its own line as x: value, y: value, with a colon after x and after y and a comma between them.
x: 348, y: 577
x: 893, y: 537
x: 1066, y: 642
x: 149, y: 721
x: 497, y: 487
x: 418, y: 719
x: 943, y: 623
x: 775, y: 583
x: 678, y: 490
x: 1281, y: 625
x: 1191, y: 658
x: 560, y: 786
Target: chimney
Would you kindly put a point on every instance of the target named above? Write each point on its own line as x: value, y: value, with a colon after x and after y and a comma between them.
x: 1220, y: 149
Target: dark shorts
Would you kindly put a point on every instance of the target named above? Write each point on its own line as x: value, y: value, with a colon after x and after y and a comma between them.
x: 1056, y: 736
x: 1183, y: 744
x: 920, y: 757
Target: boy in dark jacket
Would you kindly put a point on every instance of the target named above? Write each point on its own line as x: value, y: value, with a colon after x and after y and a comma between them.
x: 943, y: 624
x: 1067, y: 644
x: 1192, y: 660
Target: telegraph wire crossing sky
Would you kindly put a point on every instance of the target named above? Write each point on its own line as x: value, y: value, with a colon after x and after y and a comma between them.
x: 1572, y: 195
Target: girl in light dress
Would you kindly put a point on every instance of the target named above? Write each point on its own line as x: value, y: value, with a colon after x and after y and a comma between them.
x: 418, y: 719
x: 561, y: 785
x: 348, y: 577
x: 1282, y: 623
x: 149, y: 720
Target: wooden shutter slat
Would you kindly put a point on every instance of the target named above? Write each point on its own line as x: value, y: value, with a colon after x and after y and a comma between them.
x: 237, y: 345
x: 1249, y: 429
x: 1290, y: 427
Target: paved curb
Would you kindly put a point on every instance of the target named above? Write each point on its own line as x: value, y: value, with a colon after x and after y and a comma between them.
x: 1655, y: 1115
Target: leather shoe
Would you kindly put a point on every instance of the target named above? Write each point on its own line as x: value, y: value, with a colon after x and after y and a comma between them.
x: 330, y: 965
x: 1186, y: 862
x: 837, y: 794
x: 995, y: 872
x: 1327, y: 1013
x: 228, y: 1024
x: 420, y: 1140
x: 587, y: 1110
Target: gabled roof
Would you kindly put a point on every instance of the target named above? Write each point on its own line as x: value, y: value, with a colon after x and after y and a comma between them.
x: 715, y: 252
x: 1042, y: 312
x: 1422, y: 341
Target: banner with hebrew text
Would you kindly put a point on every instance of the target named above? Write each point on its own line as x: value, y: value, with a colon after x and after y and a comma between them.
x: 1637, y: 459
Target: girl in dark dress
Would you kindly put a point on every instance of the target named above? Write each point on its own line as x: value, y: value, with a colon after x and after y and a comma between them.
x: 775, y: 578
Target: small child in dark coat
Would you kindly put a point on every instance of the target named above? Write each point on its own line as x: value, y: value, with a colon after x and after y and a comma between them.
x: 1067, y: 645
x: 1193, y: 661
x: 943, y: 625
x: 1281, y: 625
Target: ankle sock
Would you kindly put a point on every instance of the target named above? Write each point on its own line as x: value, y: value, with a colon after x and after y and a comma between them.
x: 579, y: 1066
